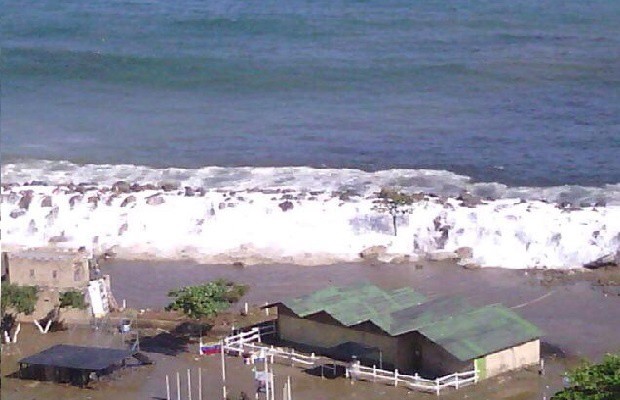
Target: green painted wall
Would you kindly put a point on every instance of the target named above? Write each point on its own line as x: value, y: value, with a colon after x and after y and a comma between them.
x: 481, y: 366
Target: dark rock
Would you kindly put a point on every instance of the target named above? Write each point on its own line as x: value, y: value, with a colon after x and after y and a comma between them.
x: 93, y: 200
x: 155, y: 200
x: 135, y: 188
x: 169, y: 186
x: 128, y: 200
x: 150, y: 186
x: 231, y: 205
x: 202, y: 192
x: 238, y: 264
x: 189, y: 192
x: 373, y: 252
x: 74, y: 199
x: 38, y: 183
x: 121, y: 187
x: 600, y: 203
x: 81, y: 189
x: 26, y: 199
x: 221, y: 206
x: 608, y: 260
x: 469, y: 200
x: 286, y: 205
x: 47, y: 201
x: 17, y: 213
x: 465, y: 252
x: 317, y: 193
x: 122, y: 229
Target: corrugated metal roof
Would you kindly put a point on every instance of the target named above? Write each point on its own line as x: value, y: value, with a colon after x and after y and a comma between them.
x: 464, y: 331
x: 481, y: 331
x: 356, y: 304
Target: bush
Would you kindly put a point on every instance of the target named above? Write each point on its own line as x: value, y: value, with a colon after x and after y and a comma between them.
x: 72, y: 298
x: 206, y: 300
x: 22, y: 298
x: 594, y: 381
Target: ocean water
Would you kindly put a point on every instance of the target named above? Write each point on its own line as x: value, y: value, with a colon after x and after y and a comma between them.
x: 504, y: 99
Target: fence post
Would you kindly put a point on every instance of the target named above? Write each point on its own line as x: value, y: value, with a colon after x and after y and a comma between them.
x: 457, y: 381
x: 167, y: 388
x: 395, y: 377
x: 437, y: 386
x: 374, y: 373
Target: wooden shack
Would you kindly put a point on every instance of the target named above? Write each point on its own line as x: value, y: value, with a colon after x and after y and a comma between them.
x: 403, y: 329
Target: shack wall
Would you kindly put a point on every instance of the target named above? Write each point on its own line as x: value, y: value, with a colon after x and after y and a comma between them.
x: 513, y: 358
x: 319, y: 331
x: 436, y: 361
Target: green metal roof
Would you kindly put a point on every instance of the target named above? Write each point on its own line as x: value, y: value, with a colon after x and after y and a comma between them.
x: 356, y: 304
x: 464, y: 331
x: 481, y: 331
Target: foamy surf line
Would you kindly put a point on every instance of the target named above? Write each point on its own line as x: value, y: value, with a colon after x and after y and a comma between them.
x: 302, y: 215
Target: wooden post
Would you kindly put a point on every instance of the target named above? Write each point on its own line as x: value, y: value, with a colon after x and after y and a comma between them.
x: 199, y: 383
x: 189, y: 385
x: 437, y: 386
x: 374, y: 373
x: 167, y: 388
x: 266, y: 309
x: 457, y: 380
x: 245, y: 307
x: 178, y: 387
x: 395, y: 377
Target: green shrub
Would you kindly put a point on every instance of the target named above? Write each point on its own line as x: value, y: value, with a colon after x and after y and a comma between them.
x: 72, y: 298
x: 206, y: 300
x: 594, y: 381
x: 22, y: 298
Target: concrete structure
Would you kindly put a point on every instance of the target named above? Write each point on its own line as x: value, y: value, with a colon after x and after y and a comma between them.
x: 48, y: 268
x: 402, y: 329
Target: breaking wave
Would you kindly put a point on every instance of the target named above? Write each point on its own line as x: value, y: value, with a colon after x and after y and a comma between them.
x: 303, y: 215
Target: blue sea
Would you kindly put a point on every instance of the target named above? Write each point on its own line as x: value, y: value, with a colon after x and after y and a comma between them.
x: 520, y: 92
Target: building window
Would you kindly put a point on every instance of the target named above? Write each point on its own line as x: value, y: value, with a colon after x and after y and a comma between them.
x: 32, y: 273
x: 55, y: 274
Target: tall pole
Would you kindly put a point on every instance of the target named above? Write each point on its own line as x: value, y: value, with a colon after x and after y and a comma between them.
x: 178, y: 387
x: 167, y: 388
x: 223, y: 370
x: 199, y: 383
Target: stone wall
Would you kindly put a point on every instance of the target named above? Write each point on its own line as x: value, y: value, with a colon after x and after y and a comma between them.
x: 60, y: 270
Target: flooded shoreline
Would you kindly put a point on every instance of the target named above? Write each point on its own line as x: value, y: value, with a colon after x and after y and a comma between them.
x: 575, y: 315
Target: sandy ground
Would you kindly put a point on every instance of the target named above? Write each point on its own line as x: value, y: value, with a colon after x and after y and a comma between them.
x: 580, y: 318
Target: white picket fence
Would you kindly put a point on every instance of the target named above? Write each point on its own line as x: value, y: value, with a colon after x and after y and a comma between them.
x: 456, y: 380
x: 250, y: 342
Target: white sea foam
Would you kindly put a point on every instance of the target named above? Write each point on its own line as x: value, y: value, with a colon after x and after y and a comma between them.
x: 322, y: 226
